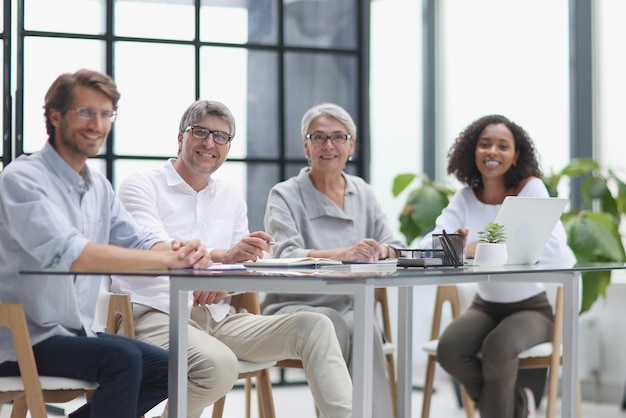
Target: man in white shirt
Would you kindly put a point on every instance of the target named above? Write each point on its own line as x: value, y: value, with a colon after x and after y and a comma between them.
x: 182, y: 200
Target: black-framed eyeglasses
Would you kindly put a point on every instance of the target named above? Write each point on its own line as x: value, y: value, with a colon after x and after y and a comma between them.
x: 200, y: 132
x: 88, y: 113
x: 320, y: 138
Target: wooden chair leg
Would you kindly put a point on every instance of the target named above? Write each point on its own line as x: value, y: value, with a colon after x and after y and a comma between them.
x: 468, y: 403
x: 264, y: 393
x: 580, y: 401
x: 428, y: 386
x: 20, y: 407
x: 247, y: 385
x: 218, y: 407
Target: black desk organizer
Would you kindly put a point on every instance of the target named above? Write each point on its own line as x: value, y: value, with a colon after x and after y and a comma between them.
x: 447, y: 251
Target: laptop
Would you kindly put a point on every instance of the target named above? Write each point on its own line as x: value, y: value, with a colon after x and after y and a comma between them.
x: 529, y: 221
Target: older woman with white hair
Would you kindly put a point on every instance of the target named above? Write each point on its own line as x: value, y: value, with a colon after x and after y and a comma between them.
x: 325, y: 212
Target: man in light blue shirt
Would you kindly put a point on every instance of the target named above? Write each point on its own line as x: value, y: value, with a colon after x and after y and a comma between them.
x: 55, y: 213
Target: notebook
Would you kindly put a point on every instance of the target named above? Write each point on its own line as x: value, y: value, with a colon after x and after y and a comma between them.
x: 290, y: 262
x: 529, y: 221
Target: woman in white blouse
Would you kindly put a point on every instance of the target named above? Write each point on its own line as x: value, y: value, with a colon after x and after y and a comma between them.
x: 495, y: 158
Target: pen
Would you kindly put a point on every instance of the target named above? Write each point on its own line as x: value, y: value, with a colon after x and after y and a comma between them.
x: 272, y: 243
x: 450, y: 249
x: 387, y: 238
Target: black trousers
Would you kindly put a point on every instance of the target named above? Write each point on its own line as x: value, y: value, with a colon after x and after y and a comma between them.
x: 132, y: 375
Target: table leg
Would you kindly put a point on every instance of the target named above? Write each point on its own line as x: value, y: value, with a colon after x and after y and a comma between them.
x: 177, y: 386
x: 405, y: 350
x: 362, y: 351
x: 571, y: 289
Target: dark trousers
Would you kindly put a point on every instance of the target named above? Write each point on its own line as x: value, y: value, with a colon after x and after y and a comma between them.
x: 132, y: 375
x: 500, y: 331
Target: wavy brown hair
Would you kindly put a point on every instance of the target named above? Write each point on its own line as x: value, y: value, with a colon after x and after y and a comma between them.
x: 462, y: 161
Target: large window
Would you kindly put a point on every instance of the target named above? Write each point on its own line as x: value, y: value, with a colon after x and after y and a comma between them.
x: 610, y: 84
x: 267, y: 60
x: 491, y: 61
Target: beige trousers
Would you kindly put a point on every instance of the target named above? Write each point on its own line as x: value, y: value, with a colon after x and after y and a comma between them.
x: 214, y: 347
x: 382, y: 406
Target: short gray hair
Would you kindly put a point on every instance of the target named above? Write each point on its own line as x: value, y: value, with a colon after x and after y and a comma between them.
x: 201, y: 108
x: 329, y: 110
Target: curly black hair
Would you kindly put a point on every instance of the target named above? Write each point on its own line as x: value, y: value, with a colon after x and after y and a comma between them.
x: 461, y: 156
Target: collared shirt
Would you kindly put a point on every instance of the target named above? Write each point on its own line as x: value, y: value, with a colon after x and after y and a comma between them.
x: 164, y: 203
x: 48, y: 214
x: 466, y: 211
x: 302, y: 219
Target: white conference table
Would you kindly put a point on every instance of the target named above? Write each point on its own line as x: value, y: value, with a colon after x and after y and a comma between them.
x: 361, y: 286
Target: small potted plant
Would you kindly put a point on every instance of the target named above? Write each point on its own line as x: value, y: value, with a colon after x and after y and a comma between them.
x: 491, y: 247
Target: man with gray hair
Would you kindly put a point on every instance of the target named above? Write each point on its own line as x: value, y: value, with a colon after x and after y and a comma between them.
x: 182, y: 198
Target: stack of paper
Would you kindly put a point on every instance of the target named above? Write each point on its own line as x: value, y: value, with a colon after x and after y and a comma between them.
x: 381, y: 265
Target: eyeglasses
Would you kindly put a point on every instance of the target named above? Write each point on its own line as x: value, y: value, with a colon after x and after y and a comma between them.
x: 88, y: 113
x: 319, y: 138
x: 200, y: 132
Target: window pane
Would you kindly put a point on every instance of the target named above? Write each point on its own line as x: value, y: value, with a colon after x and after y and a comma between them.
x: 322, y: 23
x: 126, y: 168
x: 238, y: 21
x: 154, y: 99
x: 68, y: 16
x: 42, y: 68
x: 311, y: 79
x: 491, y: 63
x: 97, y: 164
x: 155, y: 19
x: 5, y: 94
x: 395, y: 95
x: 247, y: 84
x: 610, y: 82
x: 256, y: 184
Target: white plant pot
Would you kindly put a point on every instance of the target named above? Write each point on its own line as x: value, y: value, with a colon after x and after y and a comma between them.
x: 490, y: 255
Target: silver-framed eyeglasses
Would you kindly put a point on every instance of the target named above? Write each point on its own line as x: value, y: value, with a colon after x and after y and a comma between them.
x: 320, y: 138
x: 88, y: 113
x: 200, y: 132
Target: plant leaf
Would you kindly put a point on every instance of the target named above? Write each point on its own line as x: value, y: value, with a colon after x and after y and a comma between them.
x: 401, y: 181
x: 579, y: 167
x: 593, y: 236
x: 594, y: 284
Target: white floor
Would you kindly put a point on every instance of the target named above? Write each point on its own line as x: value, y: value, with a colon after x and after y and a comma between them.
x: 293, y: 401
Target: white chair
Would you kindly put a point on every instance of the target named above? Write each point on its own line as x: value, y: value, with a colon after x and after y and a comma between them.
x: 29, y: 391
x: 538, y: 356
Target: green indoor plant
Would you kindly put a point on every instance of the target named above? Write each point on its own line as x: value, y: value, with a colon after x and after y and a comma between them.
x: 491, y: 247
x: 492, y: 233
x: 423, y: 204
x: 593, y: 225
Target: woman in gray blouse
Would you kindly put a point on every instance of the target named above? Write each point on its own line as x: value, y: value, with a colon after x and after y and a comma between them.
x: 325, y: 212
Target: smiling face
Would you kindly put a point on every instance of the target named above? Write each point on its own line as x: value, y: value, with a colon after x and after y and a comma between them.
x: 495, y: 151
x: 199, y: 158
x: 77, y: 139
x: 328, y: 156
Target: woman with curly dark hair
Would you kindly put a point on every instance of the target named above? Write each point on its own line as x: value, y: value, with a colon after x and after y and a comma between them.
x: 495, y: 158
